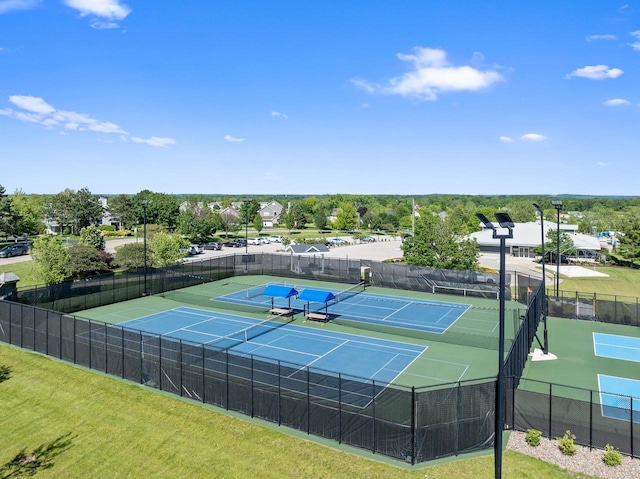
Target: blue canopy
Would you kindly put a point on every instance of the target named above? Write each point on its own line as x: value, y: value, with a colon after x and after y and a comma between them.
x: 280, y: 291
x: 316, y: 296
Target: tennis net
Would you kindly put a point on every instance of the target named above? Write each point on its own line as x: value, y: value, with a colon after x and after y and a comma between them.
x: 252, y: 332
x: 348, y: 293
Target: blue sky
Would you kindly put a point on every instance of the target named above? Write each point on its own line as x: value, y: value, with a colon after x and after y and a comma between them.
x: 320, y: 97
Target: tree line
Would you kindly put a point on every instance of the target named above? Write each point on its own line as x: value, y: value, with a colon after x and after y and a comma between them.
x: 440, y: 222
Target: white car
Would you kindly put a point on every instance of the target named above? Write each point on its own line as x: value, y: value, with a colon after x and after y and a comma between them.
x: 254, y: 241
x: 275, y: 239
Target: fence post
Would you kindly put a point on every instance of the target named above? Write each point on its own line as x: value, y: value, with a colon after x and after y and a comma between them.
x: 252, y: 384
x: 204, y: 375
x: 631, y: 426
x: 591, y: 420
x: 373, y: 415
x: 180, y: 363
x: 339, y: 408
x: 279, y: 392
x: 550, y: 410
x: 413, y: 425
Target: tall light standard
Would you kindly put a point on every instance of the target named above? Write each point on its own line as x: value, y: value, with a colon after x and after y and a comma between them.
x: 506, y: 224
x: 145, y: 203
x: 557, y: 204
x: 545, y: 348
x: 247, y: 204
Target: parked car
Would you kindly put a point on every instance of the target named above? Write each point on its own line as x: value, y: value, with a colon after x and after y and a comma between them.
x: 196, y: 248
x: 368, y: 239
x: 14, y: 250
x: 335, y: 242
x: 255, y: 241
x: 275, y: 239
x: 213, y: 245
x: 236, y: 243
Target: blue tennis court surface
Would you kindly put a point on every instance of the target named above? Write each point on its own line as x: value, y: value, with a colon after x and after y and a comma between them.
x: 368, y: 358
x: 395, y: 311
x: 616, y: 396
x: 616, y: 347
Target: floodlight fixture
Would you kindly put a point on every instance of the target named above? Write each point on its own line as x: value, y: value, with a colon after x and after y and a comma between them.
x: 504, y: 220
x: 485, y: 221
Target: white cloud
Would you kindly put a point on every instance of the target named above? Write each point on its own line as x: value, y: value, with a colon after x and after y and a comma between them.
x: 533, y: 137
x: 7, y: 6
x: 233, y: 139
x: 431, y: 76
x: 505, y: 139
x: 110, y: 9
x: 98, y: 25
x: 635, y: 45
x: 277, y: 114
x: 616, y: 102
x: 155, y: 141
x: 600, y: 37
x: 601, y: 163
x: 37, y: 111
x: 31, y: 103
x: 596, y: 72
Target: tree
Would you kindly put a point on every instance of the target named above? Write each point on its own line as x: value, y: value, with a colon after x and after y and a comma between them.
x: 9, y: 216
x: 290, y: 220
x: 436, y: 245
x: 230, y: 223
x: 84, y: 259
x: 122, y: 210
x: 258, y: 224
x: 74, y: 209
x: 320, y: 219
x: 30, y: 211
x: 567, y: 248
x: 165, y: 250
x: 248, y: 211
x: 92, y: 236
x: 629, y: 247
x: 198, y: 225
x: 50, y: 258
x: 347, y: 217
x: 130, y: 255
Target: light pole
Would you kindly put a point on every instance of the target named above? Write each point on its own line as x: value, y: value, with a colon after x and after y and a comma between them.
x: 557, y: 204
x: 545, y: 347
x: 145, y: 203
x: 505, y: 223
x: 247, y: 203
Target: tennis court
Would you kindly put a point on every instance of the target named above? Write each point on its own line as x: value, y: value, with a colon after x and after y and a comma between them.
x: 616, y: 346
x: 339, y: 353
x: 354, y: 304
x: 616, y: 396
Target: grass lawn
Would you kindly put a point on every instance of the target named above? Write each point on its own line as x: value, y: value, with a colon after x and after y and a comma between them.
x: 118, y: 429
x: 621, y: 282
x: 24, y: 270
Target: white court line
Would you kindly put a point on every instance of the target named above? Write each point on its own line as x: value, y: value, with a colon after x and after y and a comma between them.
x: 397, y: 311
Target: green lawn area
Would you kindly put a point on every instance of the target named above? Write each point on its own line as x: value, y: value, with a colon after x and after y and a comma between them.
x: 119, y: 429
x: 24, y: 270
x: 621, y: 282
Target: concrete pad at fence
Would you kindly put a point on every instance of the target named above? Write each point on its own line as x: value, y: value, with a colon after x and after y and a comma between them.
x: 578, y: 272
x: 538, y: 355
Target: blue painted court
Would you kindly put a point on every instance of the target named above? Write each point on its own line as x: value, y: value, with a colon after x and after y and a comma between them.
x: 616, y: 396
x: 375, y: 360
x: 616, y: 347
x: 395, y: 311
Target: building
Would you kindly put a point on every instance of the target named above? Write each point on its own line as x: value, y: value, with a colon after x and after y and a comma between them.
x: 527, y: 236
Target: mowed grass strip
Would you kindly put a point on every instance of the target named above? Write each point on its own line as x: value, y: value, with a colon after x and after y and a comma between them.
x: 121, y: 430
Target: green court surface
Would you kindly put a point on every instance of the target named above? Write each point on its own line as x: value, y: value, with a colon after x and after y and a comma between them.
x: 466, y: 351
x: 577, y: 365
